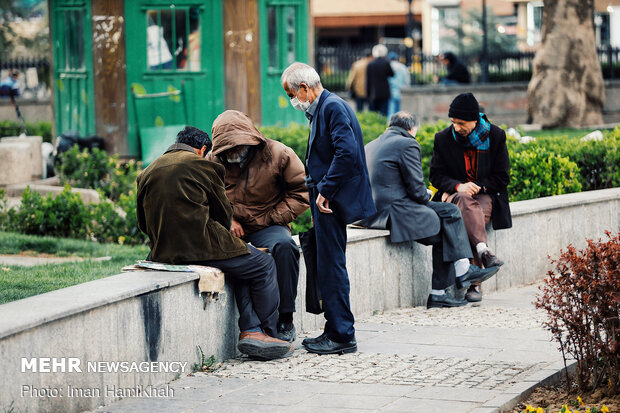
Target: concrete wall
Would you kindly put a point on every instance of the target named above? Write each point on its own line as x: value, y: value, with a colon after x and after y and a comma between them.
x: 136, y: 317
x: 505, y: 103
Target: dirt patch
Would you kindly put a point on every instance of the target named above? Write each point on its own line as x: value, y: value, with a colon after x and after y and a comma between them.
x: 31, y: 253
x: 552, y: 398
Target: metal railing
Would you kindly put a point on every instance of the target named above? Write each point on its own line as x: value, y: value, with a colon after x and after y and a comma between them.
x: 34, y: 75
x: 334, y: 63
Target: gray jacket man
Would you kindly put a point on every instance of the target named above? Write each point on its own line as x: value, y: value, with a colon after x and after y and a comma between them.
x: 404, y: 207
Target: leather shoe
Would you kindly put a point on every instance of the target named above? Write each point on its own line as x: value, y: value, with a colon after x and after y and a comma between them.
x: 327, y: 346
x: 312, y: 340
x: 473, y: 295
x: 444, y: 300
x: 475, y: 274
x: 490, y: 260
x: 286, y: 332
x: 260, y: 346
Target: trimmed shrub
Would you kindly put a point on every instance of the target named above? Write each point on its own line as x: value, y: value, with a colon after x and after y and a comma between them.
x: 11, y: 128
x: 582, y: 301
x: 537, y: 173
x: 98, y: 170
x: 63, y: 216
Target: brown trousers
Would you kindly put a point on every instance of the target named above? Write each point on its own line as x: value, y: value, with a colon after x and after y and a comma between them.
x: 476, y: 211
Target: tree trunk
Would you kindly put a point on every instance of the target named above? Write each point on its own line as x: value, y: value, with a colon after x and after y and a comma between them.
x: 567, y: 88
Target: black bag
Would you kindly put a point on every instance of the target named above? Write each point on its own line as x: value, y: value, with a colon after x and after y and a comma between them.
x: 314, y: 303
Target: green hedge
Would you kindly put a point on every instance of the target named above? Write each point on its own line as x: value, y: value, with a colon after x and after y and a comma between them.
x: 11, y: 128
x: 551, y: 165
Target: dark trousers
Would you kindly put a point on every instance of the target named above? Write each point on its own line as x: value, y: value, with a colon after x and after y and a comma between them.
x: 331, y: 243
x: 285, y: 252
x: 449, y: 245
x: 379, y: 105
x: 254, y: 281
x: 360, y: 103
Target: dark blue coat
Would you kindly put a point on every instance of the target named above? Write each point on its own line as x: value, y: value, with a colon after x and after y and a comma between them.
x: 336, y: 160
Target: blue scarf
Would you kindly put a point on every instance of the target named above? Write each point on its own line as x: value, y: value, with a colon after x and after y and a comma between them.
x: 479, y: 137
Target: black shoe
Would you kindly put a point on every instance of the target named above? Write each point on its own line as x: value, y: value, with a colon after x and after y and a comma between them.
x: 473, y: 295
x: 312, y: 340
x: 326, y: 346
x: 286, y: 332
x: 490, y: 260
x: 445, y: 300
x: 475, y: 274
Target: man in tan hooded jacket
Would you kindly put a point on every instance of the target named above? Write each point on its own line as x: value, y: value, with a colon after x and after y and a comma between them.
x: 265, y: 183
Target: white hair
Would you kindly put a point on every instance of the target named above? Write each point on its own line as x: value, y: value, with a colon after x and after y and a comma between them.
x: 379, y: 50
x: 297, y: 73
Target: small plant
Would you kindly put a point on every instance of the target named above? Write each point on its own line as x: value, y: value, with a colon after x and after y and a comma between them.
x: 206, y: 364
x: 582, y: 301
x: 98, y: 170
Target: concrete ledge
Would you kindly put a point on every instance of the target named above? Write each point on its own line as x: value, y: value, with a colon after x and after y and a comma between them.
x: 153, y: 316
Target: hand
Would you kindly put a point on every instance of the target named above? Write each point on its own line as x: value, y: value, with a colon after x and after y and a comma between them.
x: 468, y: 188
x: 236, y: 229
x: 323, y: 204
x: 445, y: 196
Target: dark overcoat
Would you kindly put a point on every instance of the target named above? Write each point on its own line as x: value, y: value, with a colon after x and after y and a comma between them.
x: 336, y: 161
x: 395, y: 168
x: 448, y: 169
x: 182, y: 207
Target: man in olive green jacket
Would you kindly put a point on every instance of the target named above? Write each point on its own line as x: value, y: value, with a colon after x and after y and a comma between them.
x: 182, y: 207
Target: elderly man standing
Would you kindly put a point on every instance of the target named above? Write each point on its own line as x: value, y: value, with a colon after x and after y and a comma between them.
x: 340, y: 193
x: 470, y: 168
x: 403, y: 202
x: 182, y: 207
x: 266, y: 187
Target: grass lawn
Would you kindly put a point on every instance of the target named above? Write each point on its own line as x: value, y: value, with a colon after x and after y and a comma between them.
x: 17, y: 282
x: 570, y: 133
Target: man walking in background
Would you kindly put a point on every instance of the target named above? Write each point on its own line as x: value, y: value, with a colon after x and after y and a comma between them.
x: 356, y: 82
x: 337, y: 179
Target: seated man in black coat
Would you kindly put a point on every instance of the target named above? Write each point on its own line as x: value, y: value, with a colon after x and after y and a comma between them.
x: 470, y: 168
x: 395, y: 168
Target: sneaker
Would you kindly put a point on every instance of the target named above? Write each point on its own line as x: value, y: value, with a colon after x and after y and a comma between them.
x: 475, y: 275
x: 490, y: 260
x: 260, y: 346
x: 444, y: 300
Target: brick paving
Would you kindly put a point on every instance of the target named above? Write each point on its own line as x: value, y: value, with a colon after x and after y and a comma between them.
x: 471, y: 359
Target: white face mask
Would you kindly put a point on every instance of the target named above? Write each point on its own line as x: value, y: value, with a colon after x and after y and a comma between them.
x: 303, y: 106
x: 238, y: 156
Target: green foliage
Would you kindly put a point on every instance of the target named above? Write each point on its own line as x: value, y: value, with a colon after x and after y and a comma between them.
x: 295, y: 136
x: 64, y: 215
x: 205, y: 363
x: 43, y: 129
x: 302, y: 223
x: 580, y: 297
x: 537, y: 172
x: 597, y: 160
x: 98, y: 170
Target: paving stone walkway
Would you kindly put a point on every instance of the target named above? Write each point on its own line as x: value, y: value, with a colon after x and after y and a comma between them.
x: 470, y: 359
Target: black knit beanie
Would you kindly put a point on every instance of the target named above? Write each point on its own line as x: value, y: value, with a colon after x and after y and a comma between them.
x: 464, y: 107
